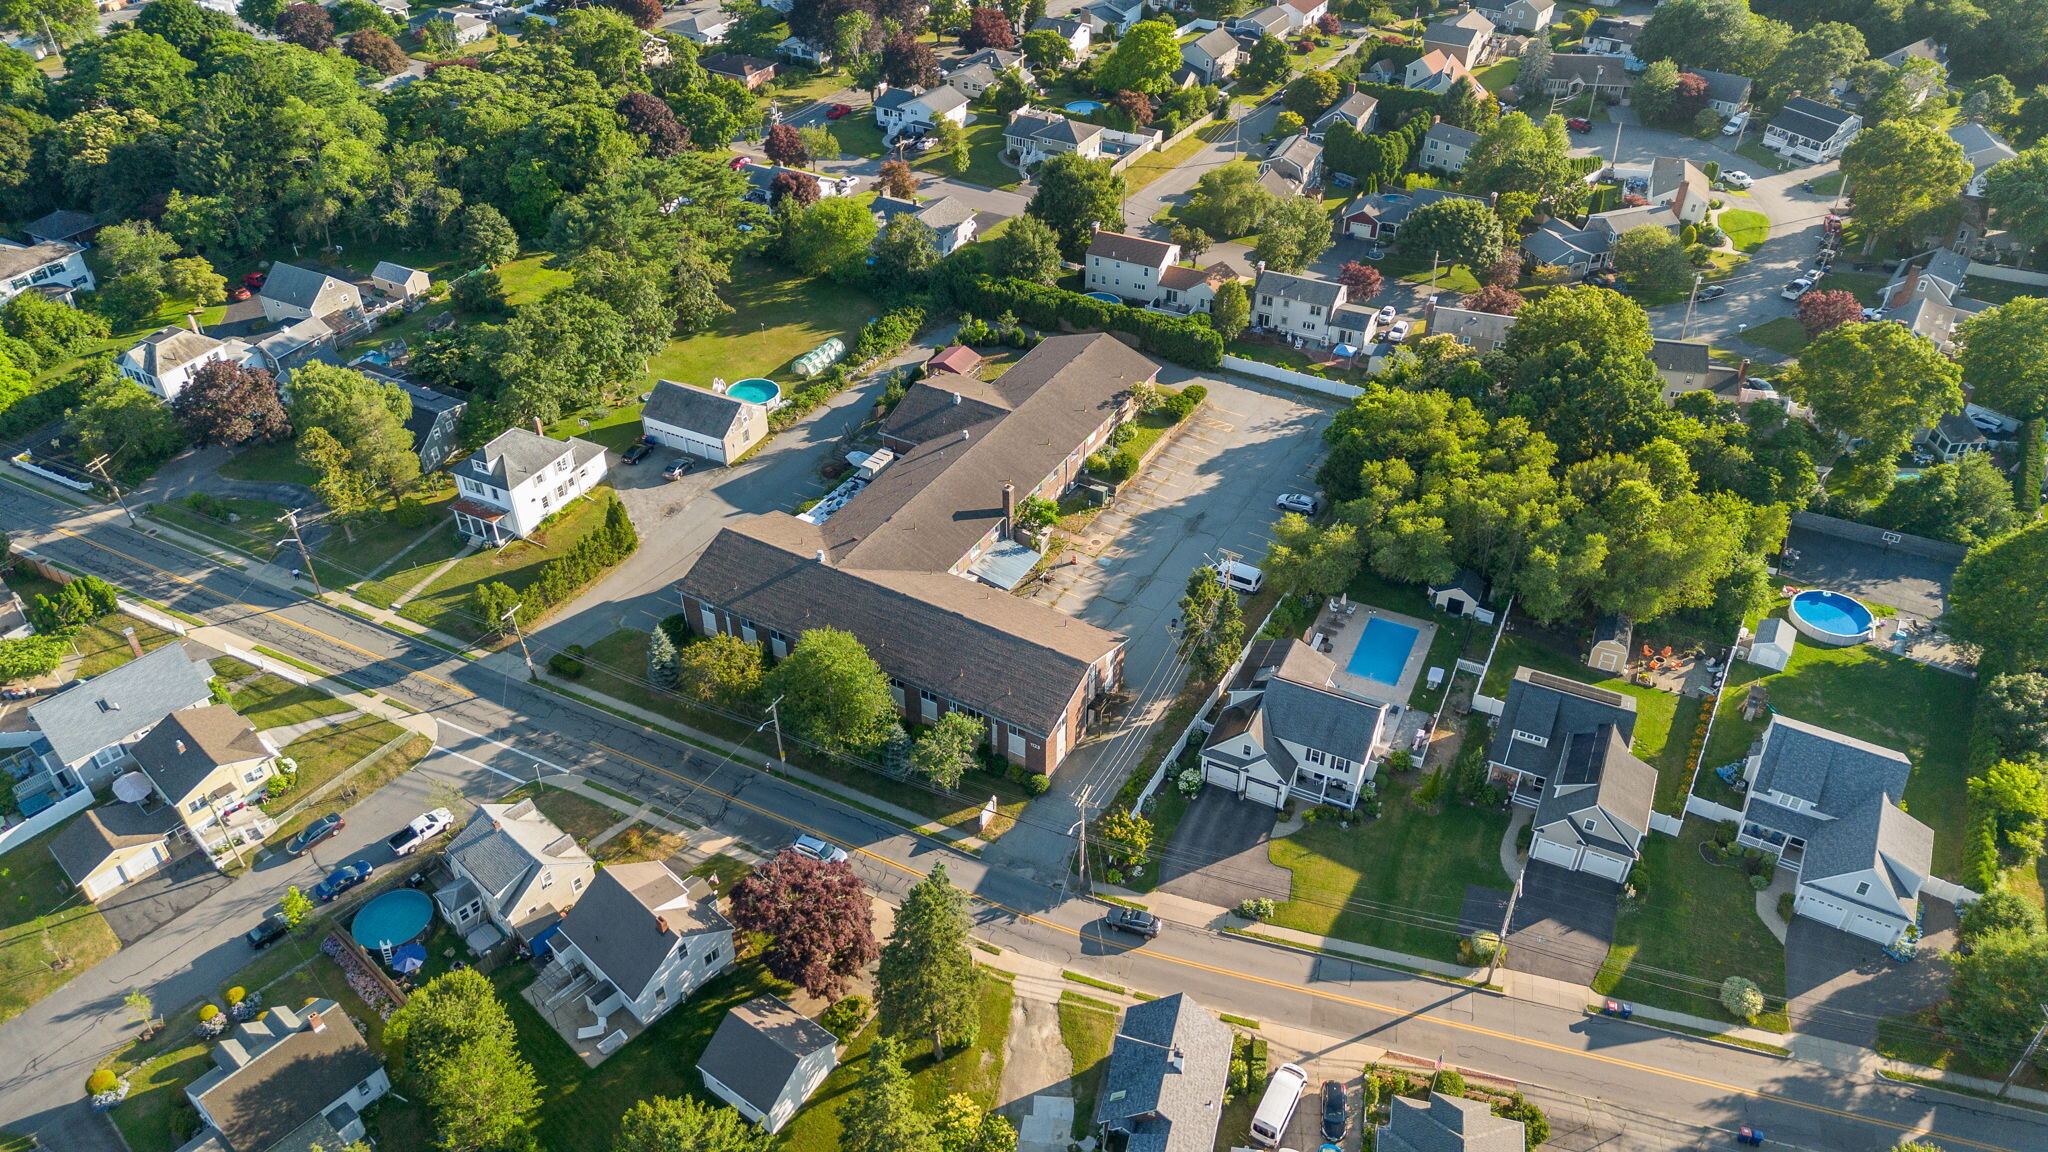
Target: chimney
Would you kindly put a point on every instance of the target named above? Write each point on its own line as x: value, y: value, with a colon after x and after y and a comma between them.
x: 1429, y: 313
x: 661, y: 925
x: 1009, y: 509
x: 537, y: 429
x: 315, y: 1024
x: 966, y: 435
x: 192, y: 322
x: 134, y: 645
x: 181, y: 747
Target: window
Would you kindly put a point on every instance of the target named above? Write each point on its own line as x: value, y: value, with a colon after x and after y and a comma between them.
x: 1315, y: 309
x: 1589, y: 824
x: 1863, y: 889
x: 714, y: 956
x: 544, y: 500
x: 1315, y: 756
x: 254, y: 775
x: 576, y: 885
x: 1532, y: 738
x: 197, y: 806
x: 363, y: 1089
x: 1266, y: 300
x: 547, y: 880
x: 1340, y: 764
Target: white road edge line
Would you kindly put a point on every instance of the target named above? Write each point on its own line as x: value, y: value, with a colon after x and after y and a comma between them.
x: 501, y: 744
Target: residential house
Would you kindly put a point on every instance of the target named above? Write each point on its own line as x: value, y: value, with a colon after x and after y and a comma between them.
x: 1811, y: 131
x: 435, y: 423
x: 1302, y: 14
x: 1482, y: 332
x: 1275, y: 20
x: 915, y: 554
x: 514, y: 869
x: 802, y: 51
x: 1446, y: 1124
x: 1610, y: 651
x: 704, y: 28
x: 912, y: 112
x: 1727, y: 93
x: 469, y: 25
x: 1519, y: 15
x: 91, y: 725
x: 1031, y: 136
x: 1077, y: 33
x: 1827, y: 805
x: 292, y: 1079
x: 951, y: 219
x: 55, y: 268
x: 399, y: 282
x: 1126, y: 266
x: 1684, y: 366
x: 1189, y: 290
x: 703, y: 422
x: 1356, y: 109
x: 293, y: 345
x: 1378, y: 216
x: 1297, y: 160
x: 1111, y: 17
x: 1564, y: 747
x: 292, y: 293
x: 506, y: 488
x: 1613, y: 36
x: 749, y: 71
x: 1289, y: 731
x: 766, y: 1059
x: 103, y: 850
x: 1214, y: 55
x: 1465, y: 595
x: 1435, y: 71
x: 1462, y: 37
x: 954, y: 359
x: 1579, y: 250
x: 1930, y: 299
x: 1681, y: 186
x: 1445, y: 148
x: 1354, y: 327
x: 1163, y: 1090
x: 1955, y: 436
x: 1572, y: 73
x: 973, y: 79
x: 167, y: 359
x: 1297, y: 306
x: 1984, y: 149
x: 64, y: 226
x: 642, y: 940
x: 1924, y: 49
x: 997, y: 61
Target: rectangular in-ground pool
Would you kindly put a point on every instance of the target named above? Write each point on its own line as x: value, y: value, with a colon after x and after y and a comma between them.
x: 1382, y: 651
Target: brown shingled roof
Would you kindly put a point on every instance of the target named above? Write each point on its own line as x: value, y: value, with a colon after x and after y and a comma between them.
x: 180, y: 752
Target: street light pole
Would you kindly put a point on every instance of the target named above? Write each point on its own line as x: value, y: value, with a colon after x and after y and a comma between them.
x: 512, y: 614
x: 99, y: 465
x: 1500, y: 945
x: 775, y: 721
x: 291, y: 517
x: 1685, y: 333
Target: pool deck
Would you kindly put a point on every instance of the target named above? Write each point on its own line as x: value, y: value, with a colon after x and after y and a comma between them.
x: 1342, y: 631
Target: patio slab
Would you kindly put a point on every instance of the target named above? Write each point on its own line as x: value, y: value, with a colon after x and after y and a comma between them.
x: 1337, y: 633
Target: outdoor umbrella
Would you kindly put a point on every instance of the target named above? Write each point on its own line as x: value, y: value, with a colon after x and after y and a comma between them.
x: 409, y: 958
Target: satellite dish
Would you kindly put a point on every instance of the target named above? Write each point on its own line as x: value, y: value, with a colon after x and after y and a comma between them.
x: 133, y: 788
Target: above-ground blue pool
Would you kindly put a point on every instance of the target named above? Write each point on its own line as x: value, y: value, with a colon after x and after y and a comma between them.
x: 1105, y: 297
x: 1383, y: 650
x: 1829, y: 618
x: 755, y: 391
x: 392, y: 920
x: 1084, y: 107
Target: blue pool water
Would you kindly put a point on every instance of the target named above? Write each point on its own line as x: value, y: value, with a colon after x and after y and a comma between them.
x: 1831, y: 612
x: 1083, y: 107
x: 755, y: 391
x: 1105, y: 297
x: 395, y: 918
x: 1383, y: 651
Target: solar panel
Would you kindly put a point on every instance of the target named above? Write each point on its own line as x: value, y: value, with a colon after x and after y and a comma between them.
x: 1574, y: 688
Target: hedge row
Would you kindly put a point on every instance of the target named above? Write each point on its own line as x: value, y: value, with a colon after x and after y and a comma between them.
x: 560, y: 578
x: 1185, y: 340
x: 885, y: 335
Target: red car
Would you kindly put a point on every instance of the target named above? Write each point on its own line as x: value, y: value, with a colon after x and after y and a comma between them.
x: 239, y: 294
x: 838, y: 110
x: 254, y: 279
x: 739, y: 162
x: 1579, y: 124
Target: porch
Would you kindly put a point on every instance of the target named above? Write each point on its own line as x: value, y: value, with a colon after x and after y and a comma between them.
x: 567, y: 996
x: 1790, y: 850
x: 1312, y: 788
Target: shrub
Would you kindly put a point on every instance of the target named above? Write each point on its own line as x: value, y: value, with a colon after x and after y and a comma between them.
x: 1097, y: 462
x: 1123, y: 465
x: 1759, y: 882
x: 1399, y: 760
x: 1742, y: 998
x: 1255, y: 908
x: 1189, y: 782
x: 1037, y: 783
x: 1449, y: 1082
x: 1186, y: 340
x: 207, y: 1012
x: 845, y: 1018
x: 1478, y: 948
x: 566, y: 666
x: 101, y: 1081
x: 236, y: 996
x: 1432, y: 789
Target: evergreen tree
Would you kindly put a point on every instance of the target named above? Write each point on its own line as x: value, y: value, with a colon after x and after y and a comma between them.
x: 926, y: 984
x: 1212, y: 625
x: 661, y: 658
x: 883, y: 1116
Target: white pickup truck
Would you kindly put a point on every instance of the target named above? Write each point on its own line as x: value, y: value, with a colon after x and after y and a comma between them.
x: 407, y: 840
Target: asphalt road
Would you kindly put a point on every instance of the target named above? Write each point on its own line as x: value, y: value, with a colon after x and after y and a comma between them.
x: 42, y: 1062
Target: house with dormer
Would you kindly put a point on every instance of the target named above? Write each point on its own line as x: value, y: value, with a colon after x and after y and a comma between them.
x: 1827, y: 805
x: 513, y: 868
x: 1811, y: 131
x: 291, y: 293
x: 1288, y: 732
x: 295, y: 1078
x: 642, y: 939
x: 1562, y: 748
x: 92, y: 725
x: 912, y: 112
x: 508, y: 487
x: 166, y: 360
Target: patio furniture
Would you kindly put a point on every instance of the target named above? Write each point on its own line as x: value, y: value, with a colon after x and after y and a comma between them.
x: 594, y: 1030
x: 610, y: 1044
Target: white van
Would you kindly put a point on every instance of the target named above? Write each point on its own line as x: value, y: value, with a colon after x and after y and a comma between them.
x: 1276, y: 1107
x: 1239, y: 577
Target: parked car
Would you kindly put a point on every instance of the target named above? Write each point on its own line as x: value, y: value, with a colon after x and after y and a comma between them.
x: 239, y: 294
x: 254, y: 279
x: 341, y: 880
x: 636, y: 453
x: 1735, y: 124
x: 1599, y: 278
x: 817, y: 848
x: 274, y: 928
x: 1336, y: 1111
x: 924, y: 144
x: 1579, y: 124
x: 1300, y: 502
x: 314, y: 833
x: 1398, y: 332
x: 1239, y: 576
x: 1136, y: 921
x: 1386, y: 315
x: 1737, y: 179
x: 1875, y: 313
x: 1814, y: 274
x: 1713, y: 292
x: 1797, y: 288
x: 739, y: 162
x: 424, y: 827
x: 680, y: 468
x: 838, y: 110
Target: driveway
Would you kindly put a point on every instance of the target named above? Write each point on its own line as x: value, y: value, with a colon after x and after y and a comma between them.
x: 147, y: 905
x: 1840, y: 985
x: 1563, y: 923
x: 1912, y: 584
x: 1218, y: 853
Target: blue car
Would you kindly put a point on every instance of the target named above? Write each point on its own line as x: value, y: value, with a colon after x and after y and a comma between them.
x: 341, y: 880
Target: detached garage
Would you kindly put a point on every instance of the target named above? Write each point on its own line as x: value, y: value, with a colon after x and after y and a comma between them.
x: 105, y: 849
x: 706, y: 424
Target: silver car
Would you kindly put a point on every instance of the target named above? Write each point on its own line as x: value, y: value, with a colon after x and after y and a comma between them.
x: 1300, y: 502
x: 818, y: 848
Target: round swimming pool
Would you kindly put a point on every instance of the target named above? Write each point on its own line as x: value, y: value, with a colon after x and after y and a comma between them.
x: 755, y: 391
x: 396, y: 918
x: 1830, y: 618
x: 1084, y: 107
x: 1105, y: 297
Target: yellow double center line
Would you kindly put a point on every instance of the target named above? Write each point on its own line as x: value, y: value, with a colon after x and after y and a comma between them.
x: 1333, y: 997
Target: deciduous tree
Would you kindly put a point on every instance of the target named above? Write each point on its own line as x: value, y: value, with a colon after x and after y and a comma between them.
x: 1311, y: 92
x: 1028, y: 250
x: 1316, y: 561
x: 1879, y: 383
x: 2013, y: 795
x: 948, y: 748
x: 1362, y: 280
x: 1455, y: 231
x: 1265, y: 65
x: 228, y: 403
x: 720, y: 669
x: 1831, y: 308
x: 1297, y: 231
x: 307, y: 25
x: 117, y: 418
x: 686, y: 1124
x: 650, y: 118
x: 1047, y: 50
x: 1999, y: 601
x: 378, y: 52
x: 818, y: 912
x: 1814, y: 60
x: 365, y: 417
x: 1228, y: 201
x: 831, y: 234
x: 833, y: 693
x: 1075, y: 196
x: 927, y: 984
x: 1496, y: 299
x: 2004, y: 355
x: 454, y: 1049
x: 1996, y: 993
x: 908, y: 62
x: 898, y: 180
x: 1652, y: 259
x: 905, y: 253
x: 1212, y: 625
x: 1144, y: 60
x: 988, y: 28
x: 1901, y: 169
x: 1519, y: 155
x: 487, y: 237
x: 785, y: 147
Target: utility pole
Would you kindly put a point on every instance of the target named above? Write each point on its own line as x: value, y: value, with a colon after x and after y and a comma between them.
x: 99, y: 465
x: 1507, y: 918
x: 512, y: 615
x: 291, y: 517
x: 2033, y: 1046
x: 775, y: 721
x: 1685, y: 333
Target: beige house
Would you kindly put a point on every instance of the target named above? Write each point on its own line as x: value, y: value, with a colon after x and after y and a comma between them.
x: 716, y: 426
x: 514, y: 869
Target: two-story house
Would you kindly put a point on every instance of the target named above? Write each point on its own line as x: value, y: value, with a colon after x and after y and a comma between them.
x: 1287, y: 731
x: 1681, y: 186
x: 1811, y: 131
x: 1613, y: 36
x: 54, y: 267
x: 167, y: 359
x: 1519, y: 15
x: 64, y: 226
x: 641, y: 940
x: 1445, y: 148
x: 1303, y: 14
x: 1275, y: 20
x: 1462, y: 37
x: 1827, y: 805
x: 1297, y: 305
x: 1596, y: 810
x: 291, y: 293
x: 1541, y: 714
x: 1482, y: 332
x: 1298, y: 160
x: 435, y: 422
x: 1447, y: 1124
x: 91, y: 725
x: 1377, y: 216
x: 1127, y: 266
x: 512, y: 868
x: 1356, y: 109
x: 1984, y: 149
x: 766, y: 1059
x: 1164, y: 1084
x: 713, y: 425
x: 1214, y: 55
x: 506, y: 488
x: 1033, y: 135
x: 910, y: 112
x: 293, y: 1079
x: 977, y: 72
x: 1435, y: 71
x: 1078, y: 34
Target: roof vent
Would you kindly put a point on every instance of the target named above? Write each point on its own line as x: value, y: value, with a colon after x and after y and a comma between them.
x: 821, y: 555
x: 956, y: 397
x: 1176, y: 1060
x: 966, y: 434
x: 108, y: 706
x: 181, y: 747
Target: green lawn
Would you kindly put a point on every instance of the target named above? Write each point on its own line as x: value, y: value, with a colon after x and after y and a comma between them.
x: 156, y: 1117
x: 985, y: 165
x: 444, y: 604
x: 1866, y: 285
x: 101, y: 645
x: 49, y: 933
x: 1767, y: 160
x: 1875, y: 696
x: 272, y: 702
x: 351, y: 553
x: 1410, y: 859
x: 257, y: 528
x: 1746, y: 229
x: 273, y: 463
x: 1495, y: 77
x: 1697, y: 920
x: 776, y: 318
x: 1415, y: 268
x: 1999, y: 291
x: 858, y: 134
x: 530, y: 277
x: 1830, y: 184
x: 327, y: 752
x: 1153, y: 165
x: 1664, y: 722
x: 1087, y: 1028
x: 1783, y: 334
x: 579, y: 816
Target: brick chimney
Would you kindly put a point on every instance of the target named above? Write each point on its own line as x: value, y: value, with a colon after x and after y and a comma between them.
x: 1009, y: 509
x: 181, y: 747
x: 315, y: 1024
x: 134, y: 645
x: 192, y: 322
x: 661, y: 925
x: 538, y: 430
x: 1742, y: 371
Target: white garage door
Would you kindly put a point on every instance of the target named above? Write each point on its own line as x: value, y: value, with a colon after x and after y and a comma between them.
x: 1552, y: 852
x: 1603, y: 865
x: 1223, y: 776
x: 689, y: 442
x: 1872, y: 927
x: 1826, y: 911
x: 1263, y: 791
x: 149, y: 861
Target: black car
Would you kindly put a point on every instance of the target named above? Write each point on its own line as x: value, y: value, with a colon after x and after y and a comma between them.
x: 1136, y: 921
x: 681, y: 468
x: 274, y: 928
x: 1336, y: 1112
x: 315, y: 832
x: 1713, y: 292
x: 637, y: 452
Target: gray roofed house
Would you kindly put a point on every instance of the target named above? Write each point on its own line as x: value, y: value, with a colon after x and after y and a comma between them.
x: 1541, y: 711
x: 1685, y: 366
x: 652, y: 936
x: 295, y: 1079
x: 1272, y: 20
x: 714, y: 425
x: 1303, y: 289
x: 94, y: 838
x: 1955, y: 436
x: 1446, y: 1124
x: 291, y: 292
x: 1812, y: 131
x: 1578, y: 71
x: 973, y: 79
x: 53, y: 268
x: 1213, y: 55
x: 1033, y: 134
x: 1462, y: 35
x: 521, y: 869
x: 1298, y: 159
x: 1290, y: 729
x: 1480, y: 331
x: 1984, y: 149
x: 1378, y: 215
x: 510, y: 486
x: 1356, y: 109
x: 1446, y: 147
x: 90, y: 724
x: 435, y: 424
x: 1596, y: 810
x: 1574, y: 249
x: 1164, y: 1086
x: 1805, y: 766
x: 1727, y: 93
x: 65, y: 225
x: 766, y: 1059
